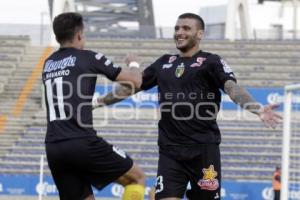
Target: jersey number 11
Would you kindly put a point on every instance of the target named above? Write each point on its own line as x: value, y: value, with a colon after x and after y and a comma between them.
x: 60, y: 98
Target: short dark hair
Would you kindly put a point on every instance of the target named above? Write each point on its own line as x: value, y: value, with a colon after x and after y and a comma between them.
x: 193, y: 16
x: 66, y: 25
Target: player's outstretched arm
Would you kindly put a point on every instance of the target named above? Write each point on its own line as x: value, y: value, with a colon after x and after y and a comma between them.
x: 121, y: 91
x: 268, y: 116
x: 130, y: 77
x: 241, y: 97
x: 130, y: 80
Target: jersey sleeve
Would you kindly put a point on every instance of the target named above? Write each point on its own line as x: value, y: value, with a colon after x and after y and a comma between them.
x: 149, y: 78
x: 101, y: 65
x: 219, y: 71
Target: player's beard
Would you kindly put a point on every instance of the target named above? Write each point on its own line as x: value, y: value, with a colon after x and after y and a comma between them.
x: 191, y: 42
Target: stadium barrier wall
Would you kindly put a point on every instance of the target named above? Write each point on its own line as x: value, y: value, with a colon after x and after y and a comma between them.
x: 231, y: 190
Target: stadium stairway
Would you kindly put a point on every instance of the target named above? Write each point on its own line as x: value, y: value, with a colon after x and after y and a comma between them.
x: 11, y: 50
x: 21, y: 97
x: 249, y: 150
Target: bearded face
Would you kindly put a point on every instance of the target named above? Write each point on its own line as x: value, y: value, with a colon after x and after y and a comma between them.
x: 187, y: 34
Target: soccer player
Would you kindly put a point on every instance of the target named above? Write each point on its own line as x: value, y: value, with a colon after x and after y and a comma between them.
x: 77, y: 158
x: 189, y: 86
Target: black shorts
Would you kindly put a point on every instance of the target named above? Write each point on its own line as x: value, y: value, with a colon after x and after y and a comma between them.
x: 77, y: 164
x: 202, y: 171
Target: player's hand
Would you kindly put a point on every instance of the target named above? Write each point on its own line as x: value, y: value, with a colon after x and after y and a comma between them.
x: 268, y: 116
x: 95, y: 104
x: 131, y: 60
x: 97, y: 101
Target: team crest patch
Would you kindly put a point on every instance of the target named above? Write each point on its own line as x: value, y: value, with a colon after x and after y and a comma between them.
x: 209, y: 181
x: 179, y: 70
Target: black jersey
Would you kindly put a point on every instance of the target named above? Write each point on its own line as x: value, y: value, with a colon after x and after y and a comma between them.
x: 69, y: 78
x: 189, y: 97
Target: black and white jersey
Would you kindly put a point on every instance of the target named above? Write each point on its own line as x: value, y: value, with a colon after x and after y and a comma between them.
x: 189, y: 96
x: 69, y: 78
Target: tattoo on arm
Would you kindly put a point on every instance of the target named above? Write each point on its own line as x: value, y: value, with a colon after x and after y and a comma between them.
x: 241, y: 97
x: 121, y: 92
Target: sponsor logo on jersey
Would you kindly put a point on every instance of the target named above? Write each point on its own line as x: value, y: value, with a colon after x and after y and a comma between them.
x: 167, y: 66
x: 98, y: 56
x: 209, y: 181
x: 107, y: 62
x: 172, y: 58
x: 53, y: 65
x: 116, y: 66
x: 195, y: 65
x: 119, y: 152
x: 226, y: 67
x: 179, y: 70
x: 198, y: 62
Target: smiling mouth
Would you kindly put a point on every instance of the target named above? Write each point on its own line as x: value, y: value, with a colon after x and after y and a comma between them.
x: 180, y: 40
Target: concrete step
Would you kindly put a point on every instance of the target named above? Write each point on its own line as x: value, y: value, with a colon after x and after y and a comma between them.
x: 33, y: 58
x: 6, y: 72
x: 28, y: 63
x: 12, y: 49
